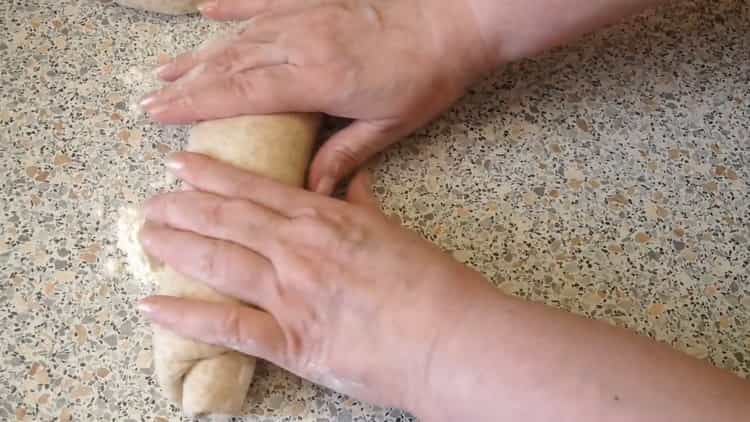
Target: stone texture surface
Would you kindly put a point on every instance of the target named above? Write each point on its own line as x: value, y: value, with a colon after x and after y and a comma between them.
x: 609, y: 178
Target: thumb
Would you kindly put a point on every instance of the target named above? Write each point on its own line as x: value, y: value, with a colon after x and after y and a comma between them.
x: 360, y: 190
x: 346, y: 150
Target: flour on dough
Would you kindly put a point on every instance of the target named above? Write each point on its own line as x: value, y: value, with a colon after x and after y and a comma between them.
x: 139, y: 264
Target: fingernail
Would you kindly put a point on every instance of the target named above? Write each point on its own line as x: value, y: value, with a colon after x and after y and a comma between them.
x: 326, y: 185
x: 157, y: 109
x: 208, y: 6
x: 145, y: 240
x: 147, y: 101
x: 146, y: 307
x: 159, y: 70
x: 174, y: 164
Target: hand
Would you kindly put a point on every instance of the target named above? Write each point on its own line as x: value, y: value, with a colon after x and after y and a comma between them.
x: 342, y: 296
x: 391, y: 66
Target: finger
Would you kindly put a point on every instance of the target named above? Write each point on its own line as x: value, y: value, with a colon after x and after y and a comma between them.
x: 360, y: 191
x: 264, y: 90
x: 227, y: 267
x: 244, y: 9
x: 184, y: 62
x: 235, y: 220
x: 346, y: 150
x: 209, y: 175
x: 224, y: 65
x: 242, y: 328
x: 228, y: 55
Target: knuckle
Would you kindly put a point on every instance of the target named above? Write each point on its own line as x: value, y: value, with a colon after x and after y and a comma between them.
x: 215, y: 215
x: 222, y: 64
x: 185, y: 60
x: 277, y: 290
x: 372, y: 14
x: 356, y: 232
x: 227, y: 60
x: 333, y: 234
x: 313, y: 228
x: 242, y: 84
x: 303, y: 341
x: 347, y: 249
x: 188, y: 103
x: 306, y: 274
x: 294, y: 345
x: 306, y: 213
x: 231, y: 327
x: 345, y: 157
x: 208, y: 265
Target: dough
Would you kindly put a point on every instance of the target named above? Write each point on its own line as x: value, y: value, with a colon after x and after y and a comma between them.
x: 208, y: 379
x: 170, y: 7
x: 276, y: 146
x: 202, y: 378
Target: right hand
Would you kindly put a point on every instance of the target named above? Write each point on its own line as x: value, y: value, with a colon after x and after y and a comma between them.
x: 345, y: 297
x: 391, y: 66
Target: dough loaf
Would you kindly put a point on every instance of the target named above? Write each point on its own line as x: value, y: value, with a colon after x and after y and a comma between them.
x: 208, y: 379
x: 170, y: 7
x: 202, y: 378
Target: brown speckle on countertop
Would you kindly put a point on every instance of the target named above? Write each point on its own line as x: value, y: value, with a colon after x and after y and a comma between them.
x: 609, y: 178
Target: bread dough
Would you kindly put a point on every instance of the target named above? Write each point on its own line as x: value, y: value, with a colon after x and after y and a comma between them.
x: 203, y: 378
x: 276, y: 146
x: 208, y: 379
x: 170, y: 7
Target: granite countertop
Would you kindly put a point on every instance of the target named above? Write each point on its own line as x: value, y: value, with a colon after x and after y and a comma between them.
x: 609, y: 178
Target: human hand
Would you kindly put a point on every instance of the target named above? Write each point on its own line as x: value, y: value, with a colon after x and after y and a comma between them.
x: 391, y: 66
x: 343, y: 296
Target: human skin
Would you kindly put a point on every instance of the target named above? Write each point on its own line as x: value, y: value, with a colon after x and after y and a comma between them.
x: 344, y: 296
x: 347, y: 298
x: 390, y: 65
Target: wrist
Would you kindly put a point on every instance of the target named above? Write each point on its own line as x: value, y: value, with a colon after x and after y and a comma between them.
x: 489, y: 26
x: 441, y: 392
x: 460, y: 40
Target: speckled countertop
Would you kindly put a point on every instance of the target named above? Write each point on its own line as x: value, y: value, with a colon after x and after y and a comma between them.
x: 609, y: 178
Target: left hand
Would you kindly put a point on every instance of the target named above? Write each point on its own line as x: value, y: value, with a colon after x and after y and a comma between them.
x: 344, y: 296
x: 389, y: 66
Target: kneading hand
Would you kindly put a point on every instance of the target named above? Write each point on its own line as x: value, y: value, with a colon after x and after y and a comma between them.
x: 342, y: 296
x: 391, y: 65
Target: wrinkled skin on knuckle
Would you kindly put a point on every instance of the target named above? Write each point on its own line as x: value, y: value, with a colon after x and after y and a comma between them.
x: 229, y: 60
x: 240, y: 83
x: 230, y: 328
x: 335, y: 235
x: 322, y: 255
x: 188, y: 103
x: 214, y: 215
x: 302, y: 322
x: 317, y: 252
x: 345, y: 157
x: 208, y: 265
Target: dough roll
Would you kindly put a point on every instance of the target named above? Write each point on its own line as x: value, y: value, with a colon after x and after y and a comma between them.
x: 170, y: 7
x: 208, y: 379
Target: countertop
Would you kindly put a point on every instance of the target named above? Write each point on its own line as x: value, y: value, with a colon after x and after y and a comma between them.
x: 609, y: 178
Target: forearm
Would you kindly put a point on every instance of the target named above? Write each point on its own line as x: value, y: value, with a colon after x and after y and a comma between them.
x: 514, y: 360
x: 514, y: 29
